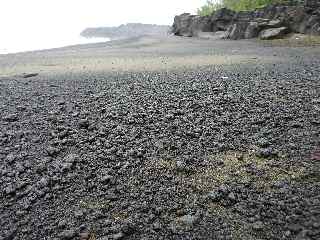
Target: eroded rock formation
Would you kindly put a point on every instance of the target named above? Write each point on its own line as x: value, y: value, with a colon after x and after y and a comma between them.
x: 269, y: 22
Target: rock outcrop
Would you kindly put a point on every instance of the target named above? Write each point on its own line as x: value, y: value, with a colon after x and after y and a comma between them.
x: 272, y: 21
x: 272, y: 33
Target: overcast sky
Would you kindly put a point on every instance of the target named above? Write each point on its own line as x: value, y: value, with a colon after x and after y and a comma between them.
x: 38, y: 24
x: 48, y: 16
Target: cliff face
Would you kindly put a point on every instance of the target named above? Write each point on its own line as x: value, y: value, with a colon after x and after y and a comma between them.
x: 126, y: 30
x: 270, y: 22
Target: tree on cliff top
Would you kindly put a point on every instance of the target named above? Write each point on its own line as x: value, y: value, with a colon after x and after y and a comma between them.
x: 236, y: 5
x: 209, y: 7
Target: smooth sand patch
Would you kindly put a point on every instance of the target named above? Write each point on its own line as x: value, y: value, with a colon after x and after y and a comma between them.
x: 138, y: 54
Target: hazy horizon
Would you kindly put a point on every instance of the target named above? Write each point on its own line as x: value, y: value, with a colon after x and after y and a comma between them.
x: 38, y: 24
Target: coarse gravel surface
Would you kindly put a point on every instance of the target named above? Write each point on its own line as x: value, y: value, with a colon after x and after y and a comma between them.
x: 169, y: 138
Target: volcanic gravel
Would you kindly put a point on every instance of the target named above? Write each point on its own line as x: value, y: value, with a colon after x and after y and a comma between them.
x: 214, y: 152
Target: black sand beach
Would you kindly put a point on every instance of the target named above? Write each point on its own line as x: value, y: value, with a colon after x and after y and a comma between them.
x: 161, y: 138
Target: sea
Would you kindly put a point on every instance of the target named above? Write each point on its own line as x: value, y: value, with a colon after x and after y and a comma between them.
x: 25, y: 44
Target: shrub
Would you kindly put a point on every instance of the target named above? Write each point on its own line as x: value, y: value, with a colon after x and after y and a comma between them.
x: 237, y: 5
x: 209, y: 8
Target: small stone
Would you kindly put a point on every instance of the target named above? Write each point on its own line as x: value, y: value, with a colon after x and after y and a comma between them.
x: 157, y: 226
x: 43, y: 182
x: 188, y: 219
x: 265, y: 153
x: 215, y: 89
x: 131, y: 152
x: 66, y: 166
x: 104, y: 238
x: 78, y: 214
x: 69, y: 161
x: 232, y: 196
x: 9, y: 190
x: 21, y: 213
x: 303, y: 235
x: 316, y: 225
x: 36, y: 139
x: 106, y: 179
x: 294, y: 228
x: 20, y: 168
x: 10, y: 118
x: 9, y: 235
x: 29, y: 75
x: 224, y: 189
x: 75, y: 114
x: 258, y: 225
x: 71, y: 158
x: 21, y: 184
x: 128, y: 227
x: 169, y: 116
x: 10, y: 158
x: 296, y: 124
x: 287, y: 233
x: 62, y: 224
x: 214, y: 195
x: 119, y: 235
x: 107, y: 222
x: 67, y: 234
x: 180, y: 165
x: 263, y: 142
x: 84, y: 123
x: 84, y: 236
x: 140, y: 154
x: 52, y: 151
x: 21, y: 108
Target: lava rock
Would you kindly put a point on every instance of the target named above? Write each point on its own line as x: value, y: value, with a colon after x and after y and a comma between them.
x: 189, y: 220
x: 29, y: 75
x: 84, y: 123
x: 52, y: 151
x: 10, y: 118
x: 258, y: 225
x: 265, y: 153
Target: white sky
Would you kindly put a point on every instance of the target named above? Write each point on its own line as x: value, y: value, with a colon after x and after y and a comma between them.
x: 38, y: 24
x: 24, y: 17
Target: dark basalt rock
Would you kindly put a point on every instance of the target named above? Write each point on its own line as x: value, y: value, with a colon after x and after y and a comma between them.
x: 200, y: 24
x: 29, y: 75
x: 182, y: 25
x: 237, y: 30
x: 303, y: 18
x: 221, y: 19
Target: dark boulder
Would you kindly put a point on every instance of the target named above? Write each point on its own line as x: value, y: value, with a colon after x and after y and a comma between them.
x: 222, y: 19
x: 200, y: 24
x: 252, y: 30
x: 182, y: 23
x: 190, y: 25
x: 273, y: 33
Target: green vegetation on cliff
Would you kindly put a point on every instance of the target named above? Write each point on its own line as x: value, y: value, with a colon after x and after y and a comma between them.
x: 236, y: 5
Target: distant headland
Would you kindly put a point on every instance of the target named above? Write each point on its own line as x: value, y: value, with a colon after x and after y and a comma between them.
x: 126, y: 30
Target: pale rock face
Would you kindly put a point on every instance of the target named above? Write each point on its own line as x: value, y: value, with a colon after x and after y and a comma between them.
x: 273, y: 33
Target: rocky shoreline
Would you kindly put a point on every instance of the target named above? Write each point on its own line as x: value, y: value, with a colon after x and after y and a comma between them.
x: 270, y: 22
x: 197, y: 149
